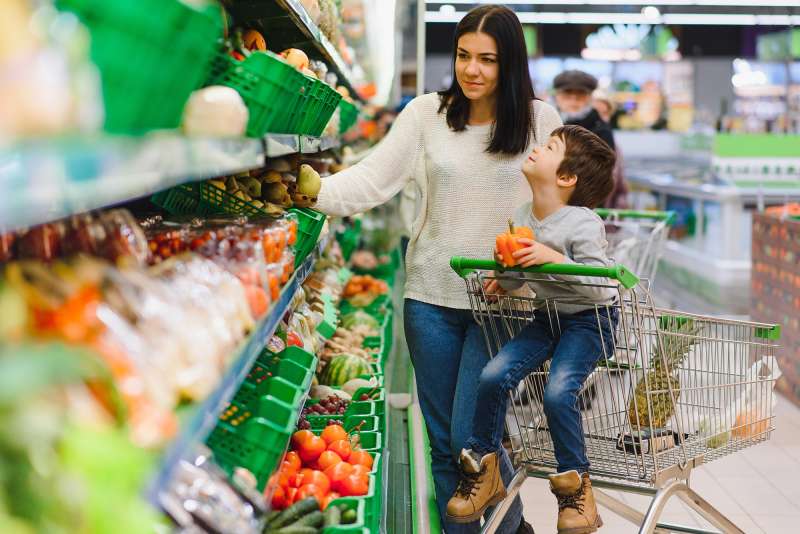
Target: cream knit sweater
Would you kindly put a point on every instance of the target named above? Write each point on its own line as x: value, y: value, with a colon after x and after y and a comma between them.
x: 467, y: 194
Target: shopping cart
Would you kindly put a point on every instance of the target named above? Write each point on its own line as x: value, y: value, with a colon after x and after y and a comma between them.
x: 693, y: 389
x: 636, y: 238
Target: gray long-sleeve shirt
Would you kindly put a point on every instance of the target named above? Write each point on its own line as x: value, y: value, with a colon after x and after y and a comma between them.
x: 579, y: 234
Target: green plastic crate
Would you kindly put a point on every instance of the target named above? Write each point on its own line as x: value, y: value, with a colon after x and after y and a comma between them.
x: 372, y: 505
x: 272, y: 89
x: 309, y: 226
x: 348, y: 115
x: 349, y: 503
x: 369, y: 423
x: 258, y: 443
x: 353, y: 411
x: 330, y: 319
x: 203, y: 199
x: 151, y: 55
x: 317, y: 108
x: 349, y: 238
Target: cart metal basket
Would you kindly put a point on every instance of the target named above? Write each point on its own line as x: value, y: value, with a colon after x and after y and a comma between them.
x: 636, y: 238
x: 692, y: 389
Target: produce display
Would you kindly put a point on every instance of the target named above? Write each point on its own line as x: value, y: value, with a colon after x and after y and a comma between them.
x: 362, y: 290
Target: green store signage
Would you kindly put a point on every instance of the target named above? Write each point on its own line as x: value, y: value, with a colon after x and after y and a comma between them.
x: 779, y: 46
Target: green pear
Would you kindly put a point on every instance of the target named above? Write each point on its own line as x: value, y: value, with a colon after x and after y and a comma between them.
x: 252, y: 186
x: 308, y: 182
x: 275, y: 193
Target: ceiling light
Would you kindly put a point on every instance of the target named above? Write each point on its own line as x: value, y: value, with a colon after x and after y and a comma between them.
x: 651, y: 12
x: 722, y: 19
x: 719, y: 3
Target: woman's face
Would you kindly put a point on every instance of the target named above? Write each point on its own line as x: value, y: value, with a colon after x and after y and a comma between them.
x: 476, y: 66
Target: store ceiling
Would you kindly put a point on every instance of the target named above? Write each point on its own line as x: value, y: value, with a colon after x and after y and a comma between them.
x: 674, y: 12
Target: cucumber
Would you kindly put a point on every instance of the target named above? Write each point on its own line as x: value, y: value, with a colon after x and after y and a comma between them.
x: 333, y: 516
x: 271, y: 517
x: 295, y: 512
x: 314, y: 519
x: 349, y: 516
x: 291, y: 529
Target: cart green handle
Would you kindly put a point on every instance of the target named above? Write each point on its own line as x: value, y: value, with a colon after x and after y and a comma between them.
x: 465, y: 266
x: 667, y: 216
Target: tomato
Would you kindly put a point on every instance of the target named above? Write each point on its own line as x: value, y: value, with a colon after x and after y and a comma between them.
x: 327, y: 459
x: 293, y: 458
x: 337, y: 472
x: 332, y: 496
x: 354, y: 485
x: 361, y: 457
x: 296, y: 480
x: 300, y: 437
x: 311, y: 449
x: 291, y: 496
x: 287, y: 469
x: 359, y: 469
x: 293, y: 339
x: 280, y: 479
x: 342, y: 448
x: 279, y: 501
x: 334, y: 433
x: 318, y: 478
x: 309, y: 490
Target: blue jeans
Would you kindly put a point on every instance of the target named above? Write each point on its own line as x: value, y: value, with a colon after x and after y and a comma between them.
x: 575, y: 351
x: 448, y: 351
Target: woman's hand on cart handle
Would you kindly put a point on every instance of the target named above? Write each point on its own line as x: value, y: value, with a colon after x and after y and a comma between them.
x: 492, y: 288
x: 536, y: 253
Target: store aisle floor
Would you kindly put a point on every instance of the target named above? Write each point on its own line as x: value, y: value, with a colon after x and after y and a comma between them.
x: 755, y: 488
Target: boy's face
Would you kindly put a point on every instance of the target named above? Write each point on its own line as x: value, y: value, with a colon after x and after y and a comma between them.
x: 542, y: 164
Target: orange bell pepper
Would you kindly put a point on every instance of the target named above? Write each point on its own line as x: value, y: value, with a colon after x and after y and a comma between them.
x: 506, y: 243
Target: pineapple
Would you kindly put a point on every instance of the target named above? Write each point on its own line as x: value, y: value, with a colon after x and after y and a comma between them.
x: 661, y: 379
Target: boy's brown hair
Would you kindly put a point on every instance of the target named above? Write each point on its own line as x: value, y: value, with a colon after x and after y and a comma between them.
x: 590, y: 159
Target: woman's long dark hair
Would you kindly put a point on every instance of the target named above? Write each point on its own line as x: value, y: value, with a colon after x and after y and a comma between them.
x: 513, y: 116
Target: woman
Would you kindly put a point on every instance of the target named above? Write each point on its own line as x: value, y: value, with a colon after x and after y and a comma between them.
x: 464, y: 148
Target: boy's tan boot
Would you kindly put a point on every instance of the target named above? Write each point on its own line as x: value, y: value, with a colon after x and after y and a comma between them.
x: 480, y: 487
x: 577, y: 510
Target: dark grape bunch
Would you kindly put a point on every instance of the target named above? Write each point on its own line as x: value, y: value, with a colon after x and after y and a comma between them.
x: 332, y: 405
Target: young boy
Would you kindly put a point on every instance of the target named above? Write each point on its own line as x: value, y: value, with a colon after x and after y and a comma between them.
x: 568, y: 176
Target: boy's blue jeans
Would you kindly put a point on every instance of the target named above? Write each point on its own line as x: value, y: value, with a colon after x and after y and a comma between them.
x: 575, y: 348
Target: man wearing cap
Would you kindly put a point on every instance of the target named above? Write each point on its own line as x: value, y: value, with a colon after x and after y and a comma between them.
x: 574, y: 101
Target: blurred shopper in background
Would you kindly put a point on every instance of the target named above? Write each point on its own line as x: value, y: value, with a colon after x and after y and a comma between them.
x: 576, y: 104
x: 605, y: 107
x: 574, y: 101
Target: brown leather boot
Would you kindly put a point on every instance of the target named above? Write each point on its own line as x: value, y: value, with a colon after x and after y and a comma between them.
x: 479, y: 488
x: 577, y: 511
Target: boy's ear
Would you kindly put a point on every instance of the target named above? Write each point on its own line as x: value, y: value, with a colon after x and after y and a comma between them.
x: 567, y: 180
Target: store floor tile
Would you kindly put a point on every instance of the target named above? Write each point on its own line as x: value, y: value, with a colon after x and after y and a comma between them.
x: 755, y: 488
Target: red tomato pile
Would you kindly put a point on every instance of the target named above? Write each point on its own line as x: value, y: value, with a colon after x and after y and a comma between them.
x: 327, y: 467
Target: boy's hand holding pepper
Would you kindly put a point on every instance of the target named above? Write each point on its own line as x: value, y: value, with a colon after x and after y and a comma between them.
x: 535, y: 253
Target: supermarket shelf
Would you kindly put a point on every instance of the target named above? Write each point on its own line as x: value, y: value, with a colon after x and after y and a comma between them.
x: 277, y: 145
x: 286, y: 24
x: 206, y: 414
x: 46, y: 180
x: 312, y: 145
x: 299, y: 15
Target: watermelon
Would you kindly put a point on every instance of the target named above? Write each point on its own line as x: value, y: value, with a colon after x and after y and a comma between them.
x: 342, y: 368
x: 359, y: 317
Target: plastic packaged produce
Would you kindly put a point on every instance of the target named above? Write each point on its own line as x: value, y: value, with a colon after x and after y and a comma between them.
x: 200, y: 497
x: 41, y: 242
x: 215, y: 111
